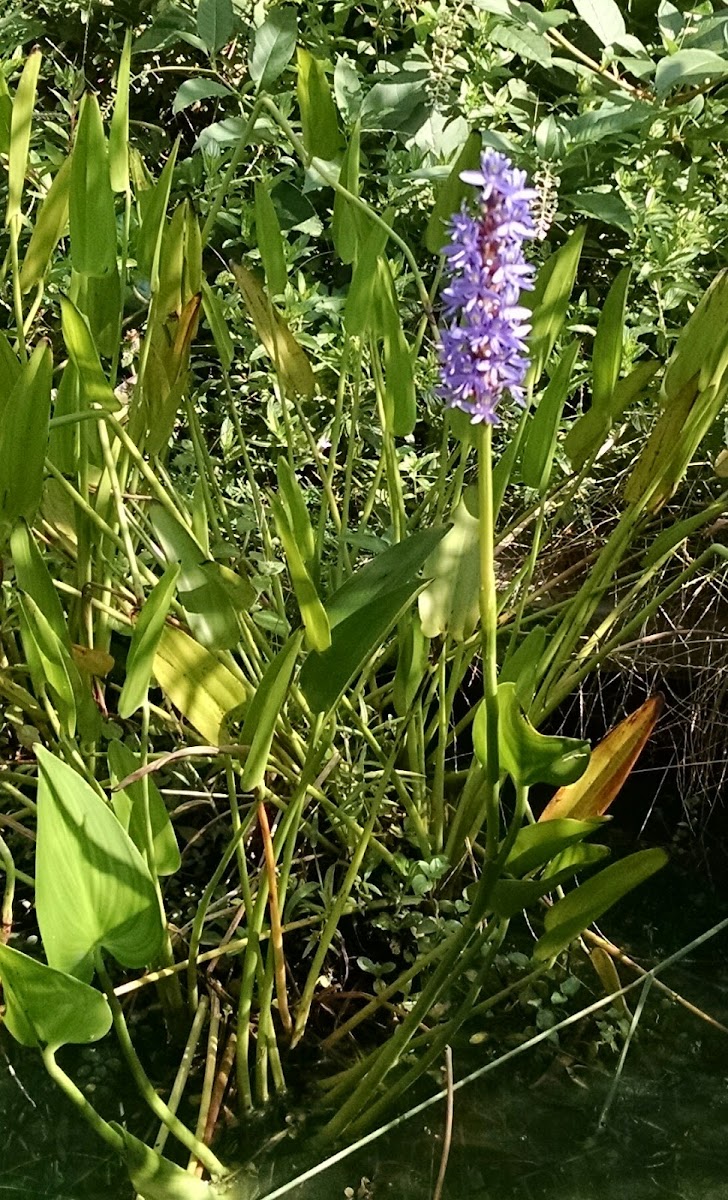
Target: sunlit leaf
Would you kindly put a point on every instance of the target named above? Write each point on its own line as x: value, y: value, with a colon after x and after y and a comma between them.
x: 92, y: 887
x: 20, y: 126
x: 50, y: 225
x: 449, y: 604
x: 289, y: 358
x: 203, y: 689
x: 610, y: 764
x: 24, y: 438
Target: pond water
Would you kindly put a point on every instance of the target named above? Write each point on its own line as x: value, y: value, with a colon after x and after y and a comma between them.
x: 528, y: 1130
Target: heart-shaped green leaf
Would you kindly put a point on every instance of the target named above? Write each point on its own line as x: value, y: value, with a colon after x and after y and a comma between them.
x: 46, y: 1007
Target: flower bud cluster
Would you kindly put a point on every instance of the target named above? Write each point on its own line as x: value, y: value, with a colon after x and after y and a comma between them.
x: 483, y: 351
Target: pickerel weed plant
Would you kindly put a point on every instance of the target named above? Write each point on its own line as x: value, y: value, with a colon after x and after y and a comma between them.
x: 328, y: 697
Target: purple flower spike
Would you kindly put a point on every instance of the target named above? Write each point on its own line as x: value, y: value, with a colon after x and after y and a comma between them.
x: 482, y: 350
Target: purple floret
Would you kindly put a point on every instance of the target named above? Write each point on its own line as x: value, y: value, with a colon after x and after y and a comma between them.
x: 483, y: 351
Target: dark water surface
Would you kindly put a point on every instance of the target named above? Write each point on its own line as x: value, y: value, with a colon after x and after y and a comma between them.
x: 527, y: 1131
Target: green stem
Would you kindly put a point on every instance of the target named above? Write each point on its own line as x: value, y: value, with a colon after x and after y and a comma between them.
x: 144, y: 1084
x: 489, y: 630
x: 89, y: 1114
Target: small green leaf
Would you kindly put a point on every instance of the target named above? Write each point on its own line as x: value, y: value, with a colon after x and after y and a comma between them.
x: 346, y: 218
x: 449, y: 603
x: 129, y: 808
x: 192, y: 91
x: 570, y: 916
x: 215, y: 23
x: 522, y: 666
x: 92, y: 887
x: 399, y: 376
x: 218, y: 326
x: 264, y: 710
x: 91, y: 213
x: 273, y: 46
x: 298, y: 519
x: 46, y: 1007
x: 270, y: 241
x: 313, y: 613
x: 151, y: 233
x: 33, y: 577
x: 359, y: 310
x: 144, y: 642
x: 47, y: 654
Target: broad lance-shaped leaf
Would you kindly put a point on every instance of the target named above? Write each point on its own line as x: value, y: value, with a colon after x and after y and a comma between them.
x: 324, y: 677
x: 24, y: 439
x: 119, y: 128
x: 321, y: 135
x: 289, y: 358
x: 95, y: 387
x: 46, y: 1007
x: 93, y: 889
x: 346, y: 218
x: 33, y: 577
x: 386, y: 572
x: 270, y: 241
x: 529, y: 756
x: 313, y: 613
x: 299, y: 521
x: 580, y: 908
x: 264, y: 710
x: 50, y: 225
x: 212, y: 595
x: 550, y: 299
x: 20, y: 126
x: 536, y: 845
x: 273, y: 45
x: 129, y: 808
x: 609, y: 341
x: 610, y: 764
x: 543, y: 426
x: 91, y: 202
x: 514, y: 895
x: 51, y: 664
x: 144, y: 642
x: 203, y: 689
